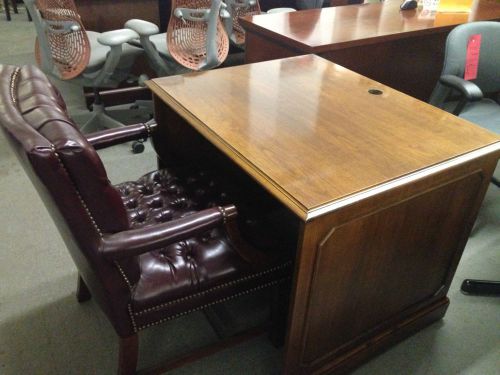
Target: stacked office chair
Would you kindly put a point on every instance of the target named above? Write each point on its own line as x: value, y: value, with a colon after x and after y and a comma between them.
x: 242, y: 8
x: 195, y: 38
x: 65, y: 50
x: 148, y: 251
x: 476, y: 100
x: 237, y: 9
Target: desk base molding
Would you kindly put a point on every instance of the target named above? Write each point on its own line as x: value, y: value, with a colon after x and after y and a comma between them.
x: 386, y: 339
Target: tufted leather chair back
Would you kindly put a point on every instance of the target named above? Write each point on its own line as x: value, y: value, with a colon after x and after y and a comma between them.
x: 70, y: 178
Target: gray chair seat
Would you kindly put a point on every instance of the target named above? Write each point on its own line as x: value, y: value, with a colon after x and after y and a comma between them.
x: 160, y: 43
x: 485, y: 113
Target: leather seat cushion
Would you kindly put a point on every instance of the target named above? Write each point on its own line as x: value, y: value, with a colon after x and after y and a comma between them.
x: 187, y: 274
x: 184, y: 267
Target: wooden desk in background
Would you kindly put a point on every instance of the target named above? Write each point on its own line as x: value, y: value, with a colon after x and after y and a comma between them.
x: 384, y: 188
x: 105, y: 15
x: 404, y: 50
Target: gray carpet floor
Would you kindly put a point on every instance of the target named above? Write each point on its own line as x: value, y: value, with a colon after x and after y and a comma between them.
x: 43, y: 330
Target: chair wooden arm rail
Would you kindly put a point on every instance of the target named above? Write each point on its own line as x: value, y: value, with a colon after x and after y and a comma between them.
x: 138, y: 241
x: 111, y: 137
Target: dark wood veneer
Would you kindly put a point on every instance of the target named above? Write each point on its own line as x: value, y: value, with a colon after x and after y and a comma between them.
x: 403, y: 50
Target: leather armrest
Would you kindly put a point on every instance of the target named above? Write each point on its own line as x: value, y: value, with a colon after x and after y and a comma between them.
x: 110, y: 137
x: 141, y: 27
x: 117, y: 37
x: 138, y: 241
x: 468, y: 89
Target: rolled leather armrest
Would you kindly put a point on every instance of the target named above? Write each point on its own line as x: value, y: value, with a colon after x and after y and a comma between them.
x: 138, y: 241
x: 110, y: 137
x: 117, y: 37
x: 141, y: 27
x: 467, y: 88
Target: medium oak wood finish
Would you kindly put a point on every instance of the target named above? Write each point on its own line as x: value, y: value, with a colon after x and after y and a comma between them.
x: 385, y: 190
x: 404, y: 50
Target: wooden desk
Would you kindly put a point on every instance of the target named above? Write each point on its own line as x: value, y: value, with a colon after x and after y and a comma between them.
x: 404, y: 50
x: 105, y: 15
x: 385, y: 190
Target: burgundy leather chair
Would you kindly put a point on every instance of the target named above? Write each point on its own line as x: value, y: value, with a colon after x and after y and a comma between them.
x: 147, y: 251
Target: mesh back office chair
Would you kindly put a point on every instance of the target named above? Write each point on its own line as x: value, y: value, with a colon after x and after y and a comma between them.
x: 147, y: 251
x: 237, y: 9
x: 65, y: 50
x: 242, y: 8
x: 475, y: 100
x: 195, y: 38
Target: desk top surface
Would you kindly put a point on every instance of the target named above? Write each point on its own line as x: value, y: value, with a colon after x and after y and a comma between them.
x: 327, y: 29
x: 310, y: 132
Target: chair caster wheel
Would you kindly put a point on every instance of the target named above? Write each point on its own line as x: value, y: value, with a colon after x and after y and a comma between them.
x: 137, y: 147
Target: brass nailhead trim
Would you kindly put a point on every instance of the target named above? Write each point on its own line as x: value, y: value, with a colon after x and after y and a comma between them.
x: 132, y: 317
x: 120, y: 269
x: 77, y: 192
x: 96, y: 227
x: 222, y: 210
x: 158, y: 307
x: 148, y: 129
x: 211, y: 304
x: 13, y: 84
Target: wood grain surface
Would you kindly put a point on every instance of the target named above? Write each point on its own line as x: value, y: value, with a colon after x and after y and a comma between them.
x: 310, y: 131
x: 327, y: 29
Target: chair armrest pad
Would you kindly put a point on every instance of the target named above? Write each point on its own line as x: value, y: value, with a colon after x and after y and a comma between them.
x: 110, y: 137
x: 117, y: 37
x: 141, y: 27
x: 468, y: 89
x: 138, y: 241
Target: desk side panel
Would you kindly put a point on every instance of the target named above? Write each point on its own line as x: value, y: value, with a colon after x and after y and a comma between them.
x: 376, y: 272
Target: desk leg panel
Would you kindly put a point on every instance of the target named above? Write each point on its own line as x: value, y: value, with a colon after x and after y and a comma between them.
x: 371, y: 280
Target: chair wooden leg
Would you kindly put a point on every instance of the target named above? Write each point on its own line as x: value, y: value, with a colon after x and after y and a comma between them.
x: 495, y: 181
x: 7, y: 9
x: 82, y: 292
x: 14, y: 6
x: 128, y: 355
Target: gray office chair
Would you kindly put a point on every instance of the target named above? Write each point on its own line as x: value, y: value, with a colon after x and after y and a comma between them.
x: 475, y: 100
x: 65, y: 50
x: 195, y: 38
